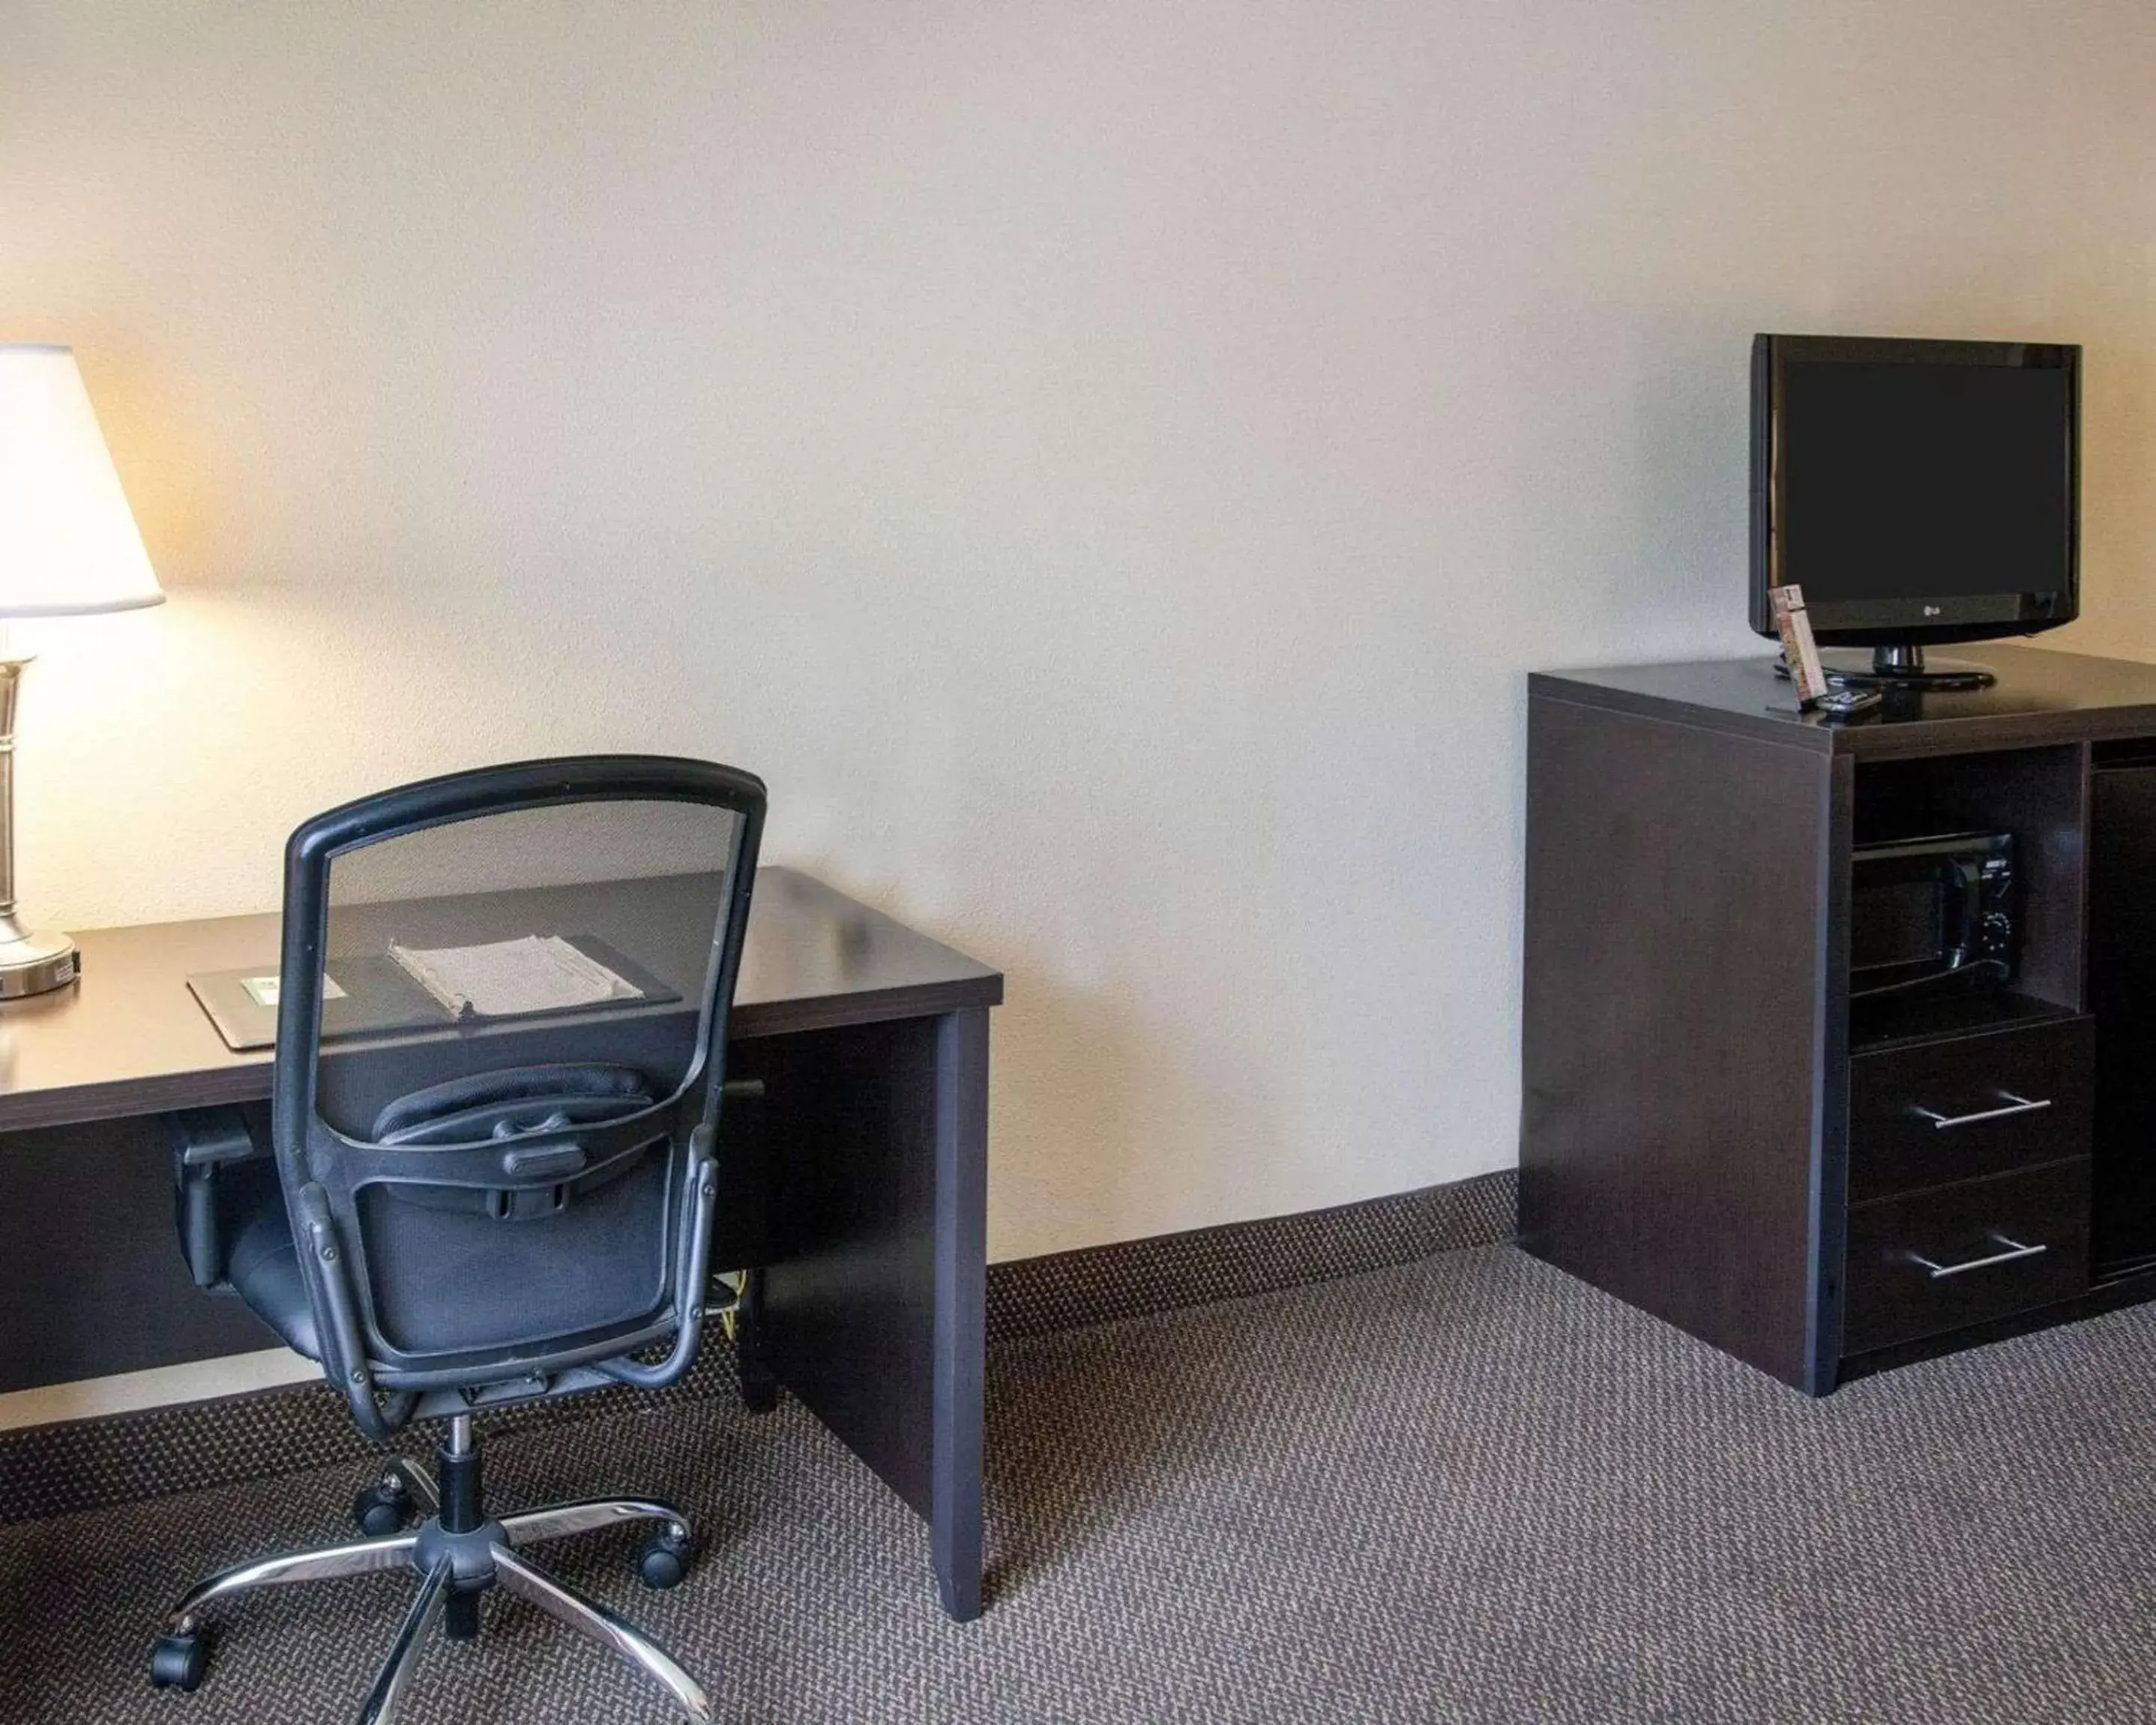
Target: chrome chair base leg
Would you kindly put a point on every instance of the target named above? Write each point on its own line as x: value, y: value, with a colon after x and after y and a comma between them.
x: 181, y: 1651
x: 361, y: 1558
x: 557, y: 1520
x: 382, y: 1700
x: 566, y: 1605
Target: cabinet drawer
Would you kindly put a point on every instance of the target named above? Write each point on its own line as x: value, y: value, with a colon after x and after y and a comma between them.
x: 1972, y: 1106
x: 1959, y: 1255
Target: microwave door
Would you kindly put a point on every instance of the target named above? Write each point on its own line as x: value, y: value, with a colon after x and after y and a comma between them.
x: 1916, y: 920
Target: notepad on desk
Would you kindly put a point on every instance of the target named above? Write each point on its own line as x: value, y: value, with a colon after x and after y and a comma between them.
x: 505, y: 979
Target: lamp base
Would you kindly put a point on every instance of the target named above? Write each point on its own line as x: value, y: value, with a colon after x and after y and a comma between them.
x: 36, y: 964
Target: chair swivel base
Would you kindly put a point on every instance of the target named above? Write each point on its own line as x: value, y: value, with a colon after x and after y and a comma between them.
x: 453, y: 1567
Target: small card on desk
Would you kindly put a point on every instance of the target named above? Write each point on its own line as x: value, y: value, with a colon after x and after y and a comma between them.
x: 262, y: 990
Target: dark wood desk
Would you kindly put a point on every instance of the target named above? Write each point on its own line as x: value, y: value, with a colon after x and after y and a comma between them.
x: 857, y: 1190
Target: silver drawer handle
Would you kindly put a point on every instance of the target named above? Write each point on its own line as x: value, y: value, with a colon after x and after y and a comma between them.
x: 2017, y: 1105
x: 2014, y: 1249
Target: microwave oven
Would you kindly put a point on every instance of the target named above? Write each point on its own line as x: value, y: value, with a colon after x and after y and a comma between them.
x: 1933, y: 912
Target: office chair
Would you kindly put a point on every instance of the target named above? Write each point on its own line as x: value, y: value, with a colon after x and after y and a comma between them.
x: 502, y: 1031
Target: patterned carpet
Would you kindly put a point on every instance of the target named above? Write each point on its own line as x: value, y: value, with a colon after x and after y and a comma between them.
x: 1468, y: 1489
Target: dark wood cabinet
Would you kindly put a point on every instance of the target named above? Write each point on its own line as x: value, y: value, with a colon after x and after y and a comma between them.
x: 1714, y: 1128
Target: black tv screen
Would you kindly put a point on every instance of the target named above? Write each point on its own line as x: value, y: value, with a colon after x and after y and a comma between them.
x: 1917, y: 491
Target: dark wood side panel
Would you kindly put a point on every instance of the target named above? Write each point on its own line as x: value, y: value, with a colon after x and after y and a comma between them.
x: 1673, y: 1033
x: 846, y: 1317
x: 870, y: 1304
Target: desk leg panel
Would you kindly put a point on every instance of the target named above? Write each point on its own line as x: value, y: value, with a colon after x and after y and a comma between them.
x: 869, y: 1303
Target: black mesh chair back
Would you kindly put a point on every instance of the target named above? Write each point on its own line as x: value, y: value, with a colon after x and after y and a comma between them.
x: 500, y: 1055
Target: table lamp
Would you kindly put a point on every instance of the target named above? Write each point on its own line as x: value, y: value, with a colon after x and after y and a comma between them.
x: 68, y: 546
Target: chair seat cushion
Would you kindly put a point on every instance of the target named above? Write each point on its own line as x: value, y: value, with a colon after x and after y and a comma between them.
x: 264, y: 1266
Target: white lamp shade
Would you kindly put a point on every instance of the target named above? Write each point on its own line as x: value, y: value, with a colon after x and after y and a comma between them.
x: 67, y: 540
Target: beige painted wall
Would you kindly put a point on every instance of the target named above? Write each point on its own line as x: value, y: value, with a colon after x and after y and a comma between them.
x: 1109, y: 465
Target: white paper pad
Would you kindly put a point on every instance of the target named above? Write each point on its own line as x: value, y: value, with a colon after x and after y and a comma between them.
x: 537, y: 974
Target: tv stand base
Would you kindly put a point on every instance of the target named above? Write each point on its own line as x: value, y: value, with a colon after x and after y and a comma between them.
x: 1904, y: 668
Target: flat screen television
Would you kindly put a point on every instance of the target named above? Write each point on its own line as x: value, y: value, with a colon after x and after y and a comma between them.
x: 1919, y: 492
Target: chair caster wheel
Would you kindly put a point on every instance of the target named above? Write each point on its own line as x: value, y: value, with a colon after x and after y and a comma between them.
x: 663, y: 1562
x: 178, y: 1661
x: 382, y: 1509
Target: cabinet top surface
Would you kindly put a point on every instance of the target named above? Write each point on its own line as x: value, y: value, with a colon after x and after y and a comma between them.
x: 2040, y: 697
